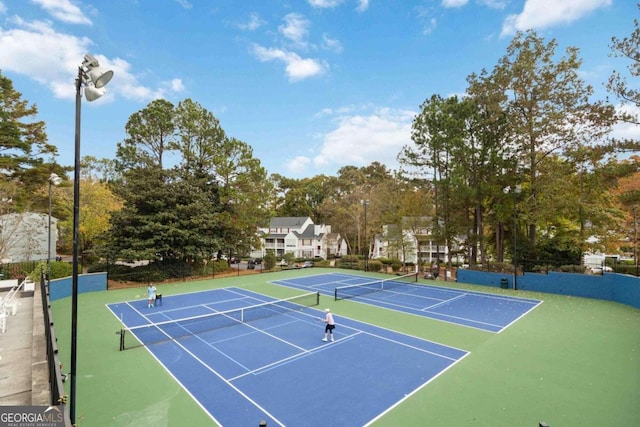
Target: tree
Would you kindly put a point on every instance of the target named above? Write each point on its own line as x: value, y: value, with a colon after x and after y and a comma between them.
x: 212, y: 200
x: 302, y: 197
x: 23, y: 146
x: 243, y: 194
x: 437, y: 133
x: 103, y: 170
x: 549, y: 110
x: 342, y: 203
x: 628, y: 195
x: 150, y: 133
x: 629, y: 48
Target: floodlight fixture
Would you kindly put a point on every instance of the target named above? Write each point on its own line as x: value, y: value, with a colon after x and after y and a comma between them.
x: 91, y: 93
x: 92, y: 77
x: 98, y: 76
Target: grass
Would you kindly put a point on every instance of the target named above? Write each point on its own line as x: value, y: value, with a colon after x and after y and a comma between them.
x: 570, y: 362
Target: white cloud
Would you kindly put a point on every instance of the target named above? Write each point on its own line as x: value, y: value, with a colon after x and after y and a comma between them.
x: 35, y: 49
x: 331, y: 44
x: 295, y: 28
x: 627, y: 130
x: 538, y: 14
x: 298, y: 165
x: 495, y: 4
x: 454, y: 3
x: 429, y: 23
x: 253, y: 23
x: 297, y: 68
x: 363, y: 5
x: 361, y: 139
x: 185, y: 4
x: 64, y: 11
x: 174, y: 85
x: 324, y: 4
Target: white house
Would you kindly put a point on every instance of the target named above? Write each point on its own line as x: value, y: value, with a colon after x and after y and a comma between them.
x: 23, y: 237
x: 300, y: 237
x: 413, y: 244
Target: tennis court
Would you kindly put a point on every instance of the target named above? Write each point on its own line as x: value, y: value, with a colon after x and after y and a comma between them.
x: 488, y: 312
x: 246, y: 357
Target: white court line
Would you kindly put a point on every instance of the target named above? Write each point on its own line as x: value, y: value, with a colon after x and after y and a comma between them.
x: 402, y: 307
x: 347, y: 279
x: 412, y: 311
x: 305, y: 353
x: 414, y: 391
x: 412, y: 347
x: 209, y: 368
x: 447, y: 301
x: 287, y: 360
x: 520, y: 317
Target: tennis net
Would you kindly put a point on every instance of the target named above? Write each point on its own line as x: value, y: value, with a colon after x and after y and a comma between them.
x: 351, y: 291
x: 153, y: 333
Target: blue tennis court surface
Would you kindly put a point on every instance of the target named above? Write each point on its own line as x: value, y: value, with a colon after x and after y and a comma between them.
x: 277, y: 368
x: 488, y: 312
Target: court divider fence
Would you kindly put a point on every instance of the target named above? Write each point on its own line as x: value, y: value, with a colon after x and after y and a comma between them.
x: 58, y: 396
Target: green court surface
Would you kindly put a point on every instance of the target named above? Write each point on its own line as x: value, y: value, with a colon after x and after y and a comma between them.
x: 570, y: 362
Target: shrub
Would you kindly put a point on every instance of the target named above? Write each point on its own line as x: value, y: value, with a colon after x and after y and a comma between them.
x: 269, y: 260
x: 322, y: 263
x: 348, y: 261
x: 60, y: 269
x: 375, y: 266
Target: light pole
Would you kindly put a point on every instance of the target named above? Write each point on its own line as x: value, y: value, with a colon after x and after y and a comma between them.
x: 514, y: 191
x: 54, y: 179
x: 365, y: 203
x: 92, y: 78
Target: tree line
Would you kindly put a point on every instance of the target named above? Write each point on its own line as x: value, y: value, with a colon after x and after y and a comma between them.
x: 524, y: 153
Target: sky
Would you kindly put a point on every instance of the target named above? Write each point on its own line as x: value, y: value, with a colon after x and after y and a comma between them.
x: 311, y: 85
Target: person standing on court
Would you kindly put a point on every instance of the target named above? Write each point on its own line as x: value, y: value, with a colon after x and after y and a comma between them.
x: 151, y: 295
x: 330, y: 325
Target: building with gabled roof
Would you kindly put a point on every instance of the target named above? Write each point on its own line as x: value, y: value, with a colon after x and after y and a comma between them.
x: 412, y: 242
x: 301, y: 237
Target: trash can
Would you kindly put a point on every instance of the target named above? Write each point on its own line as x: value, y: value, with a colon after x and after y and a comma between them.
x: 504, y: 283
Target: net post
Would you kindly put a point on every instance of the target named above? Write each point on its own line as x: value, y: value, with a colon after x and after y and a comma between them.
x: 122, y: 332
x: 317, y: 298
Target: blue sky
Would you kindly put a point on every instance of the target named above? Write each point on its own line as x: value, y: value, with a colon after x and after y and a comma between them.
x: 311, y: 85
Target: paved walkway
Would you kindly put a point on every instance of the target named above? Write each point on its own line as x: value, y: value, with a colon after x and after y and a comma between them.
x: 24, y: 378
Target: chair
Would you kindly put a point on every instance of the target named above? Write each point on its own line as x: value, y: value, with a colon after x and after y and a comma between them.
x: 3, y: 322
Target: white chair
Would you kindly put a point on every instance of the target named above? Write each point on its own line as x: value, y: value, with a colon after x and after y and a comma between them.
x: 3, y: 322
x: 11, y: 302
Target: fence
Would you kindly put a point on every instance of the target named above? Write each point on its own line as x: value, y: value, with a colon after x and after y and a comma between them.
x: 549, y: 266
x: 56, y: 383
x: 621, y: 288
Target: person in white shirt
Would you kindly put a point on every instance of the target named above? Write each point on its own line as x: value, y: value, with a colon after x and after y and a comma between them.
x: 330, y: 325
x: 151, y: 295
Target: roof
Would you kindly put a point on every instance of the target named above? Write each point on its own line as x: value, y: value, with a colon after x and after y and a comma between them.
x: 288, y: 221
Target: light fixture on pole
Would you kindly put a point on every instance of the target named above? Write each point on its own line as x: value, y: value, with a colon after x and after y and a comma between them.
x: 54, y: 179
x: 365, y: 203
x: 514, y: 191
x: 92, y: 78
